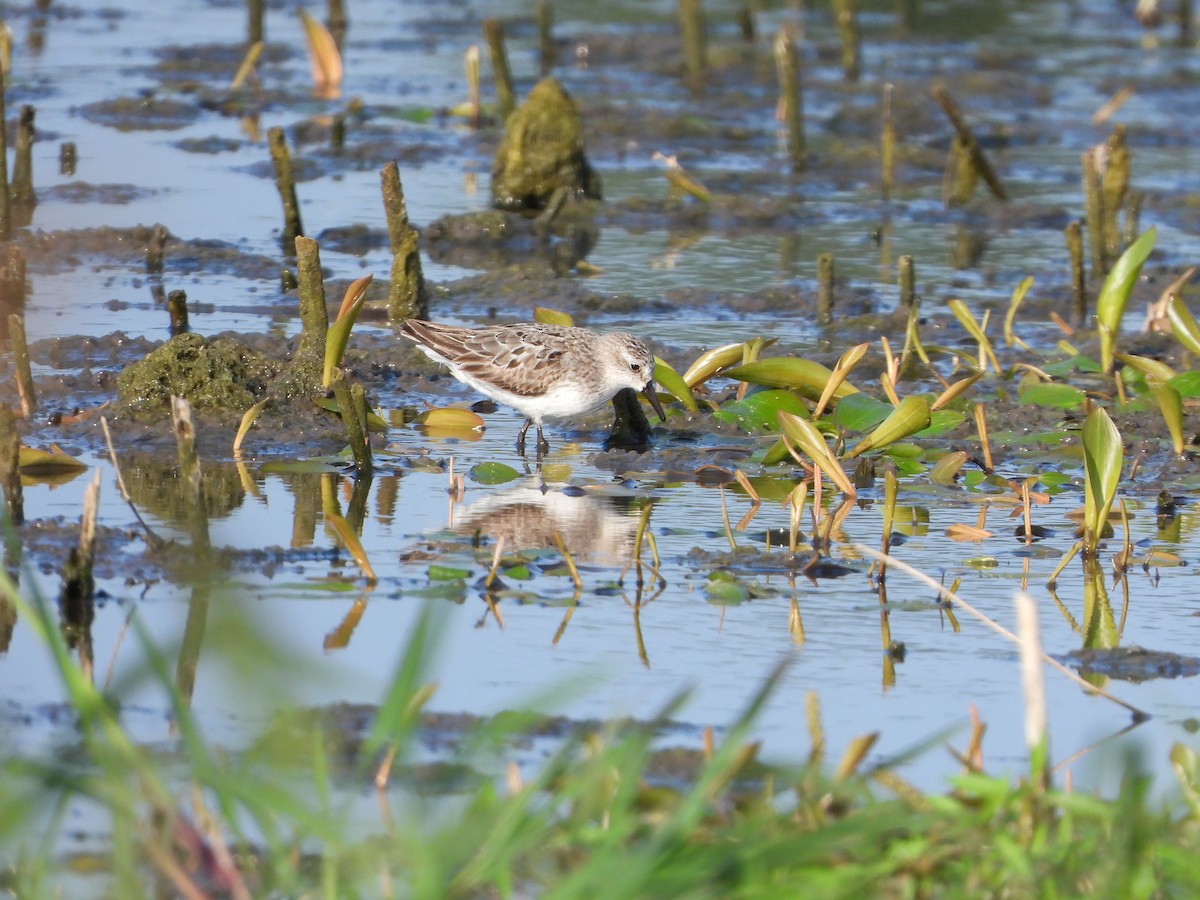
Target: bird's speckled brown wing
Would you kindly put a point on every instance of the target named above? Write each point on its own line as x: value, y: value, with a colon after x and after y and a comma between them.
x: 521, y: 360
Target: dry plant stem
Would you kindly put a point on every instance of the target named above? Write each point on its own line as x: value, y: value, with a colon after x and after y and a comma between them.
x: 178, y: 312
x: 407, y: 296
x: 825, y: 289
x: 314, y: 316
x: 10, y: 474
x: 692, y: 33
x: 496, y: 554
x: 846, y: 14
x: 24, y: 374
x: 255, y: 13
x: 493, y: 36
x: 14, y: 278
x: 1093, y: 202
x: 562, y: 548
x: 985, y: 445
x: 978, y: 158
x: 1133, y: 215
x: 336, y: 19
x: 5, y: 212
x: 192, y: 478
x: 155, y: 249
x: 1074, y: 234
x: 816, y: 733
x: 791, y: 99
x: 152, y: 539
x: 951, y: 596
x: 725, y: 521
x: 547, y: 55
x: 1032, y: 681
x: 286, y: 185
x: 1114, y: 183
x: 887, y: 146
x: 23, y: 196
x: 908, y: 280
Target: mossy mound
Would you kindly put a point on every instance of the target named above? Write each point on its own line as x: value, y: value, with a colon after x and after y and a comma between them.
x: 542, y: 151
x: 220, y: 374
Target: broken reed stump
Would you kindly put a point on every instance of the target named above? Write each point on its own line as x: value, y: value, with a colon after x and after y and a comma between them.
x: 24, y: 373
x: 908, y: 280
x: 5, y: 212
x: 68, y: 156
x: 77, y: 596
x: 791, y: 98
x: 155, y: 249
x: 10, y: 462
x: 1114, y: 182
x: 23, y: 198
x: 493, y: 36
x: 825, y: 289
x: 353, y: 408
x: 547, y: 54
x: 407, y: 296
x: 255, y: 14
x: 286, y: 184
x: 887, y: 146
x: 12, y: 282
x: 692, y: 32
x: 1074, y: 235
x: 1094, y: 215
x: 314, y: 315
x: 178, y: 312
x: 969, y: 145
x: 846, y: 14
x: 190, y: 475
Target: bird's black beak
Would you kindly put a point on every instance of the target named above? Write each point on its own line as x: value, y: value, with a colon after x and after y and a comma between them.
x: 648, y: 390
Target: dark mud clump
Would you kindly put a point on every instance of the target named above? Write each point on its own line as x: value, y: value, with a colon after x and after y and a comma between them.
x: 141, y: 114
x: 219, y: 374
x: 542, y: 152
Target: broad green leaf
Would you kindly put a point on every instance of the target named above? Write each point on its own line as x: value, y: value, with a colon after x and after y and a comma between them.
x: 941, y: 421
x: 710, y: 362
x: 808, y: 440
x: 1114, y: 295
x: 1102, y: 459
x: 803, y: 375
x: 1171, y: 405
x: 911, y: 416
x: 1183, y: 324
x: 1151, y: 368
x: 493, y: 473
x: 339, y: 332
x: 946, y: 470
x: 1071, y: 365
x: 547, y: 316
x: 1187, y: 383
x: 1053, y: 394
x: 447, y: 573
x: 760, y: 411
x: 670, y: 381
x: 33, y: 462
x: 860, y: 411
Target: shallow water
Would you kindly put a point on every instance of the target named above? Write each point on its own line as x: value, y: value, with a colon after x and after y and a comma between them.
x: 622, y: 652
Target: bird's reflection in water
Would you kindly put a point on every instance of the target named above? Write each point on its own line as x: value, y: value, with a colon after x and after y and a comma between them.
x: 596, y: 528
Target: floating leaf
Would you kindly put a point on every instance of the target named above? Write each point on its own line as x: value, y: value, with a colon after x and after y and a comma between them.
x: 760, y: 411
x: 493, y: 473
x: 806, y: 438
x: 670, y: 381
x: 803, y: 375
x: 450, y: 417
x: 1102, y: 459
x: 911, y: 416
x: 447, y: 573
x: 946, y: 470
x: 1183, y: 324
x: 42, y: 463
x: 547, y: 316
x: 1187, y: 383
x: 339, y: 332
x: 1053, y: 394
x: 859, y: 412
x: 941, y: 421
x: 1114, y: 295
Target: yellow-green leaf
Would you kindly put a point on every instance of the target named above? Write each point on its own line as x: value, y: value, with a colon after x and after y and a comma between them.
x: 911, y: 416
x: 347, y: 538
x: 1114, y: 295
x: 450, y: 417
x: 1102, y: 459
x: 31, y: 461
x: 1151, y: 368
x: 547, y: 316
x: 1171, y: 405
x: 672, y: 383
x: 325, y: 61
x: 808, y: 440
x: 1183, y: 324
x: 339, y: 332
x: 803, y: 375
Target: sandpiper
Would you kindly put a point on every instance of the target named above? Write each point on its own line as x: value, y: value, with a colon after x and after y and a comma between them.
x: 542, y: 371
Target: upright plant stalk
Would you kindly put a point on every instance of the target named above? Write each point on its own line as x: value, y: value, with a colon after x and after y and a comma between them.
x: 978, y: 158
x: 791, y: 98
x: 1094, y: 215
x: 1114, y: 183
x: 23, y: 198
x: 907, y: 279
x: 547, y: 54
x: 887, y: 146
x: 76, y: 598
x: 286, y: 184
x: 10, y: 474
x: 695, y: 50
x: 24, y: 374
x: 5, y: 212
x: 190, y: 475
x: 407, y: 296
x: 1074, y: 234
x: 825, y: 289
x: 12, y: 281
x: 846, y: 14
x: 255, y: 14
x: 493, y: 35
x: 314, y: 316
x: 155, y: 249
x: 178, y: 312
x: 356, y: 427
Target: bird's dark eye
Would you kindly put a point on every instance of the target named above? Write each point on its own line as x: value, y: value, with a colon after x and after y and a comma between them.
x: 635, y: 367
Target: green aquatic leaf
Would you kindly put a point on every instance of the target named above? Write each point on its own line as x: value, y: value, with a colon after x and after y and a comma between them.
x: 670, y: 381
x: 859, y: 412
x: 493, y: 473
x: 911, y: 416
x: 760, y: 411
x: 1053, y: 394
x: 1183, y: 324
x: 447, y: 573
x: 1171, y: 405
x: 546, y: 316
x: 338, y: 335
x: 803, y: 375
x: 808, y: 439
x: 1187, y: 383
x: 1070, y: 366
x: 1103, y: 456
x: 941, y: 421
x: 1114, y: 295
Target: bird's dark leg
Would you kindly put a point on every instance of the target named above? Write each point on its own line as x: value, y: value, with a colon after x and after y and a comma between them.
x: 521, y: 437
x: 543, y: 444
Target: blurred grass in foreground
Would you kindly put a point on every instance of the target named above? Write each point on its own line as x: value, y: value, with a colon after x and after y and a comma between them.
x: 287, y: 816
